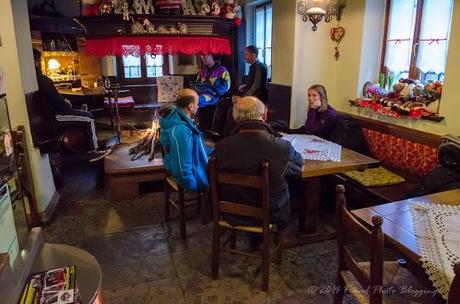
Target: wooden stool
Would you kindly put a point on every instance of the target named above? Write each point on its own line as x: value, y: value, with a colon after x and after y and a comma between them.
x: 171, y: 186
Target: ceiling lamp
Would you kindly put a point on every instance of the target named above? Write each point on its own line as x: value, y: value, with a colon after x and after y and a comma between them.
x: 315, y: 10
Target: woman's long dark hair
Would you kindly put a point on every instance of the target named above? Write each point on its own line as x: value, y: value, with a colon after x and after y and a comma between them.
x: 321, y: 90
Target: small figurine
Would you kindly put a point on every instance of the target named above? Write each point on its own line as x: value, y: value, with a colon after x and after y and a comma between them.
x: 187, y: 8
x: 228, y: 9
x: 161, y: 29
x: 173, y: 30
x: 183, y: 29
x: 137, y: 27
x: 201, y: 6
x: 148, y: 27
x: 215, y: 8
x: 105, y: 7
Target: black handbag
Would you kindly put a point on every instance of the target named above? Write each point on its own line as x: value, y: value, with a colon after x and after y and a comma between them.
x: 449, y: 152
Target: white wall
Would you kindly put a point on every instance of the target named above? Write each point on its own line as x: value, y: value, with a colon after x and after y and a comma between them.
x: 17, y: 61
x: 360, y: 49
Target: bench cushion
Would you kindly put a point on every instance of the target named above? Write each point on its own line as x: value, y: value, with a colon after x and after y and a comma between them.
x: 411, y: 157
x: 375, y: 177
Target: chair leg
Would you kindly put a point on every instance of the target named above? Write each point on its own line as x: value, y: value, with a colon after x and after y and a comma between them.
x: 167, y: 193
x: 215, y: 251
x: 265, y: 261
x: 338, y: 296
x: 233, y: 239
x: 182, y: 214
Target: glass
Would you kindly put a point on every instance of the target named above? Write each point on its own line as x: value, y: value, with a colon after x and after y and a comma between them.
x: 154, y: 65
x: 131, y: 62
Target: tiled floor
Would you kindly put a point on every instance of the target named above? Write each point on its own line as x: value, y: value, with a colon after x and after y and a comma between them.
x: 144, y: 261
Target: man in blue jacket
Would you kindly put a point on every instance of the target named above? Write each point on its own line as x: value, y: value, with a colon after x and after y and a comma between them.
x: 185, y: 154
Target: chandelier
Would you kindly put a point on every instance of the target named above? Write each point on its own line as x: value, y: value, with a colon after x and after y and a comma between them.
x: 315, y: 10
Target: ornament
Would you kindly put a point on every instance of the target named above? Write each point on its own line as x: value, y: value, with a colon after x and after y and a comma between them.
x: 215, y: 8
x: 143, y: 7
x: 337, y: 34
x: 105, y: 7
x: 187, y: 8
x: 183, y: 29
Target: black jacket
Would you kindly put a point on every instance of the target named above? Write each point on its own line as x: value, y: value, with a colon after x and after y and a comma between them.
x: 256, y: 82
x: 51, y: 102
x: 244, y: 152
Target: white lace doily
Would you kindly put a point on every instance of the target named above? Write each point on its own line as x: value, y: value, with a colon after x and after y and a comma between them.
x: 437, y: 228
x: 314, y: 148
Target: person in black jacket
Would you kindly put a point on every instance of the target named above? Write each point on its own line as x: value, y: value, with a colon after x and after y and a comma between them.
x: 256, y: 81
x: 243, y: 152
x: 58, y: 111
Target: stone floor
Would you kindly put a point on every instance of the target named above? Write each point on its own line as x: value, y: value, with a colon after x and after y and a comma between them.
x: 144, y: 261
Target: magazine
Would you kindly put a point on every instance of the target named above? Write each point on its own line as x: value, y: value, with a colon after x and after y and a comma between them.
x: 56, y: 286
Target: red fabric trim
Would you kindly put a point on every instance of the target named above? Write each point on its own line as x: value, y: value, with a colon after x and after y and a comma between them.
x: 159, y: 45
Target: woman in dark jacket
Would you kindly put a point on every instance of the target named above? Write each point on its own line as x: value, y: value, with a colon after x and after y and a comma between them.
x: 322, y: 117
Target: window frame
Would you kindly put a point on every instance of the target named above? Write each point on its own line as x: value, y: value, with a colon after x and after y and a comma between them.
x: 141, y: 80
x: 414, y: 73
x: 254, y: 29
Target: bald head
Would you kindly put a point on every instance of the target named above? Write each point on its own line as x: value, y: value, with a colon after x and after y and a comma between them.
x: 187, y: 100
x: 248, y: 108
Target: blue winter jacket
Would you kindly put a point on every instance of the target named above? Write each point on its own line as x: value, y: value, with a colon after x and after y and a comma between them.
x: 185, y: 154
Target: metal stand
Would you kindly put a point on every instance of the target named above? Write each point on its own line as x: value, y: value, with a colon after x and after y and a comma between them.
x: 116, y: 123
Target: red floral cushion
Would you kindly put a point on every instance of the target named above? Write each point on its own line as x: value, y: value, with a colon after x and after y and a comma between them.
x: 414, y: 158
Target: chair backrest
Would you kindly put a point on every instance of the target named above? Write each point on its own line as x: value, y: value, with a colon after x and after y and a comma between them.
x: 351, y: 228
x: 258, y: 182
x: 454, y: 293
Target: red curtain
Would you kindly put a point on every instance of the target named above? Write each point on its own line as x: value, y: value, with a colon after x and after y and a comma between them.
x: 160, y: 45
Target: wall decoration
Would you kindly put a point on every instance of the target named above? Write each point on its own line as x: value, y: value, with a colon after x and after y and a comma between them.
x: 188, y: 8
x: 143, y: 7
x: 201, y: 6
x: 148, y: 27
x: 105, y: 7
x: 337, y: 34
x: 137, y: 27
x: 168, y: 7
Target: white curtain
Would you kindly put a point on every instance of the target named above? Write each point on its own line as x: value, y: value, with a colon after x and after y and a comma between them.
x: 400, y: 35
x: 434, y: 35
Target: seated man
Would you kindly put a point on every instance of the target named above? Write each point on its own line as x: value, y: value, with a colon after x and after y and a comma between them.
x: 185, y: 153
x: 213, y: 81
x: 60, y: 113
x: 254, y: 142
x: 256, y: 81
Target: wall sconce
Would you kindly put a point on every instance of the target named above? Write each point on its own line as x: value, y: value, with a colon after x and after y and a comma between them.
x: 315, y: 10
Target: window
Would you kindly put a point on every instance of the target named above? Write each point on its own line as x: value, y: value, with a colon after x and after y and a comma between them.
x: 134, y: 67
x: 417, y: 36
x: 263, y: 34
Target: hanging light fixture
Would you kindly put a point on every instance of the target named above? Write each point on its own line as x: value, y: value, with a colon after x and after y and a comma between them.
x: 315, y: 10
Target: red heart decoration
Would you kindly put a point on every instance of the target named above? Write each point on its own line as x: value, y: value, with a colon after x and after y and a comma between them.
x: 337, y: 33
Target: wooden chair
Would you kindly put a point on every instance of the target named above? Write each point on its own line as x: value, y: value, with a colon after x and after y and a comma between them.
x: 170, y: 187
x: 376, y: 281
x: 261, y: 213
x: 454, y: 292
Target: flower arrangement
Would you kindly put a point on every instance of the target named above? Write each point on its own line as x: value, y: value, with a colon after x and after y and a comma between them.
x: 432, y: 92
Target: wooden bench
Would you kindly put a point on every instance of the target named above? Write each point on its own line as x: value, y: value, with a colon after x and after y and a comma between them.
x: 122, y: 175
x: 407, y: 152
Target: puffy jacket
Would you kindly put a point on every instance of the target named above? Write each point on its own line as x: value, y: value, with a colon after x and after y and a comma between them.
x: 212, y: 84
x: 185, y: 154
x: 244, y: 152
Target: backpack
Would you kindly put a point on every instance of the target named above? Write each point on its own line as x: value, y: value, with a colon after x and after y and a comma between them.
x: 439, y: 179
x: 349, y: 134
x: 449, y: 152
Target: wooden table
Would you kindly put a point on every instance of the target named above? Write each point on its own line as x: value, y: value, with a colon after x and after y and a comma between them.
x: 397, y: 221
x: 312, y: 171
x: 122, y: 175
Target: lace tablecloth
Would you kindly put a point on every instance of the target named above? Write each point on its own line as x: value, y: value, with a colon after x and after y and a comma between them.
x: 314, y: 148
x: 437, y: 228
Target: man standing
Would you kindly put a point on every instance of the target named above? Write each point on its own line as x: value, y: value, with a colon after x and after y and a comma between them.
x: 254, y: 142
x: 185, y: 153
x: 212, y: 82
x: 58, y: 111
x: 256, y: 81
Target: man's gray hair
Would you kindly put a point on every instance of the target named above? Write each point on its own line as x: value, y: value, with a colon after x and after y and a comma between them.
x: 248, y: 108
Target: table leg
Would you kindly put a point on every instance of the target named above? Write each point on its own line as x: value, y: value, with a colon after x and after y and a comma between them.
x: 308, y: 217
